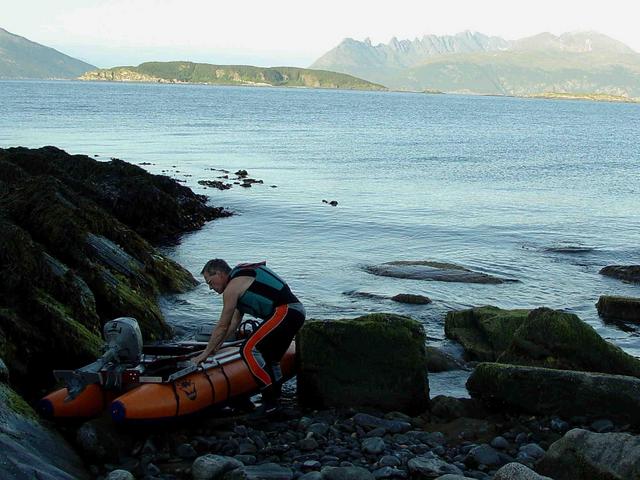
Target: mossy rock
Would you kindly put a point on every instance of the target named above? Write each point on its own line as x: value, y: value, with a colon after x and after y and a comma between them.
x: 484, y: 332
x: 555, y: 339
x: 544, y: 391
x: 375, y: 360
x: 619, y: 308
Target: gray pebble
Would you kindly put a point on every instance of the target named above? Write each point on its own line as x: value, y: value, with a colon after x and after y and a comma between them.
x: 560, y: 426
x: 308, y: 444
x: 500, y: 443
x: 602, y: 426
x: 373, y: 445
x: 483, y: 455
x: 532, y: 450
x: 318, y: 428
x: 389, y: 472
x: 186, y: 451
x: 389, y: 461
x: 120, y: 475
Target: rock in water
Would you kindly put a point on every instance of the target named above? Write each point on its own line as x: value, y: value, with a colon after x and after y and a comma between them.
x: 376, y: 360
x: 434, y: 271
x: 619, y: 308
x: 629, y: 273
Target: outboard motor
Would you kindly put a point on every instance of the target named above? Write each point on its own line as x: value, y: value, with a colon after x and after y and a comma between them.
x: 123, y: 341
x: 122, y: 349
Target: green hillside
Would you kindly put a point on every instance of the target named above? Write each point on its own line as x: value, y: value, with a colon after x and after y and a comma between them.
x: 22, y: 58
x: 189, y: 72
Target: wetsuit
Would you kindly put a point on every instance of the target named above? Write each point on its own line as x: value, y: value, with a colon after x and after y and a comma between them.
x: 270, y: 299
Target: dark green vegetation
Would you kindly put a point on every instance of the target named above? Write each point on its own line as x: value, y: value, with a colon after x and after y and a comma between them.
x: 22, y: 58
x: 580, y: 64
x: 189, y: 72
x: 75, y: 253
x: 376, y: 360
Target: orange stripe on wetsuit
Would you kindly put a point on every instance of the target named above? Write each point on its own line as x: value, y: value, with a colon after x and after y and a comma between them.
x: 264, y: 329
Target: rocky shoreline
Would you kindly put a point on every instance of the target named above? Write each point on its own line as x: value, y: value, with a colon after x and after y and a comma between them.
x: 549, y: 395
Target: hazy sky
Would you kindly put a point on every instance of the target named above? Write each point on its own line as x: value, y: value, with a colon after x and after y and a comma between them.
x: 287, y: 32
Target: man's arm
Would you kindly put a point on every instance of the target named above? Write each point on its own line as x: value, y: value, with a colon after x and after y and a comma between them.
x: 223, y: 327
x: 235, y: 321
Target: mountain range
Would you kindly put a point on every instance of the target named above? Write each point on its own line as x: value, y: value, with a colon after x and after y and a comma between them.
x: 22, y: 58
x: 471, y: 62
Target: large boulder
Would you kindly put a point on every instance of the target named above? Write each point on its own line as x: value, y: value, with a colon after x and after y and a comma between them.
x: 628, y: 273
x: 541, y: 337
x: 566, y: 393
x: 28, y: 449
x: 596, y: 456
x: 433, y: 271
x: 484, y: 332
x: 619, y: 308
x: 554, y: 339
x: 376, y: 360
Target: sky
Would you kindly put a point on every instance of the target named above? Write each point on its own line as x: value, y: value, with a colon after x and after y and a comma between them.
x: 108, y: 33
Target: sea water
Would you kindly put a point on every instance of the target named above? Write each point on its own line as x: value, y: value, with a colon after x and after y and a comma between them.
x: 545, y: 192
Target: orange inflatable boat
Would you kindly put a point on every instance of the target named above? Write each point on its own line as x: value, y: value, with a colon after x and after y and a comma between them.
x: 159, y: 382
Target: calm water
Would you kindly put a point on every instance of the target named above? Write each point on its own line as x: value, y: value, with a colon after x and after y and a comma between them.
x: 486, y: 182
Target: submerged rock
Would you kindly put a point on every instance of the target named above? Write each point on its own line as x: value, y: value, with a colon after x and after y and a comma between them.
x: 411, y: 299
x: 566, y: 393
x: 434, y: 271
x: 619, y: 308
x: 629, y: 273
x: 376, y: 360
x: 597, y: 456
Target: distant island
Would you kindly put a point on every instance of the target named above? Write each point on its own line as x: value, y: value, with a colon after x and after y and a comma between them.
x: 474, y: 63
x: 204, y: 73
x: 595, y: 97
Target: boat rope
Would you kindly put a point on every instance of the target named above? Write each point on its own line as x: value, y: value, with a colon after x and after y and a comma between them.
x: 226, y: 377
x: 213, y: 390
x: 175, y: 394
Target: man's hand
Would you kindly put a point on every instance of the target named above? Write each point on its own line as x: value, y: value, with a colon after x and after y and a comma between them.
x: 200, y: 358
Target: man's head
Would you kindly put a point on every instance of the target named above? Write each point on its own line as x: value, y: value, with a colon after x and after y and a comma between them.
x: 216, y: 274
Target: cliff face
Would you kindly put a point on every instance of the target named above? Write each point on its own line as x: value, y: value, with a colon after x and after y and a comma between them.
x: 188, y: 72
x: 579, y: 63
x: 22, y: 58
x: 75, y: 253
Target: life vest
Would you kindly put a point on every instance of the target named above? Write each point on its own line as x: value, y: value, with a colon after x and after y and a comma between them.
x: 267, y: 291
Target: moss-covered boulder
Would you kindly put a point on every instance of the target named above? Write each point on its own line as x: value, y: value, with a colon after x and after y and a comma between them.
x: 375, y: 360
x: 543, y: 391
x: 555, y: 339
x: 70, y: 263
x: 484, y: 332
x: 619, y: 308
x: 541, y: 337
x: 30, y: 450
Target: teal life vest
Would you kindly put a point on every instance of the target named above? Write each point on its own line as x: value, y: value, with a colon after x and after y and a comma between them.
x: 267, y: 291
